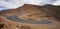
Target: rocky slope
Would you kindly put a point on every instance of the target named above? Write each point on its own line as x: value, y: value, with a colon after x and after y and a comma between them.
x: 30, y: 17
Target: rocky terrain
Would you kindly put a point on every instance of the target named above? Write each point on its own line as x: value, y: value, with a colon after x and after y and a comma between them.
x: 29, y: 17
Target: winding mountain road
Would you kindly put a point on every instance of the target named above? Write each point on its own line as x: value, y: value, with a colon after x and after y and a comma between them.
x: 16, y: 19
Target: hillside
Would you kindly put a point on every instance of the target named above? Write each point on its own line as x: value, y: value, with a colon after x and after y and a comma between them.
x: 31, y: 17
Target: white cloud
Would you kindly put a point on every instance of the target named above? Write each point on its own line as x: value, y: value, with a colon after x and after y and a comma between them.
x: 57, y: 3
x: 13, y: 4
